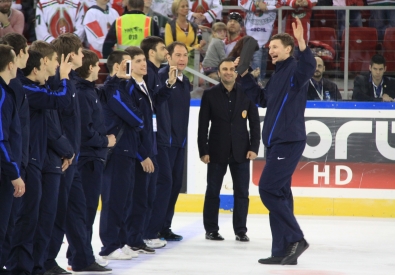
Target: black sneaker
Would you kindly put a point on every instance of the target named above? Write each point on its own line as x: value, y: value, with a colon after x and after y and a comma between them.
x: 275, y: 260
x: 56, y: 270
x: 170, y: 236
x: 214, y: 236
x: 94, y: 268
x: 242, y: 237
x: 294, y: 250
x: 143, y: 249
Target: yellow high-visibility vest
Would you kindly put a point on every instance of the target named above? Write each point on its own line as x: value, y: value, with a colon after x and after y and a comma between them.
x: 131, y: 29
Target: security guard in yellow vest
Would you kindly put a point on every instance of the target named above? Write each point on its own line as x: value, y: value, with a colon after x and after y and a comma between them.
x: 130, y: 29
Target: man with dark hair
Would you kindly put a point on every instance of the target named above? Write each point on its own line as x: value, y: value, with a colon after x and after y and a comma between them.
x: 227, y: 143
x: 39, y: 98
x: 375, y: 86
x: 284, y: 136
x: 11, y: 182
x: 11, y: 20
x: 321, y: 88
x: 114, y: 61
x: 130, y: 29
x: 233, y: 26
x: 172, y: 134
x: 71, y: 212
x: 19, y: 44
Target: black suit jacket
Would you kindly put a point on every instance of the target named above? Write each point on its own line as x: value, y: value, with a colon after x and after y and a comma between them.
x: 327, y: 85
x: 227, y: 132
x: 363, y: 88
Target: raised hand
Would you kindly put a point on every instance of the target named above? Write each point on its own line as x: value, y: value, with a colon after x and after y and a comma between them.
x: 122, y: 71
x: 298, y: 33
x: 172, y: 75
x: 65, y: 67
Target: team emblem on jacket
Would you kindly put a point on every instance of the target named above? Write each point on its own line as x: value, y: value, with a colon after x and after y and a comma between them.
x: 244, y: 114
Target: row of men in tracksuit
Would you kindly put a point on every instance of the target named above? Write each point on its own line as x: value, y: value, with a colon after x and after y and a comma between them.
x: 143, y: 175
x: 68, y: 134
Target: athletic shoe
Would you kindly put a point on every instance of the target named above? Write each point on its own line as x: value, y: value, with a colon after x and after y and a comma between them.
x: 170, y: 236
x: 214, y: 236
x: 101, y: 261
x: 242, y: 237
x: 128, y: 251
x: 275, y: 261
x: 56, y: 270
x: 143, y: 249
x: 117, y: 255
x: 155, y: 243
x: 294, y: 250
x: 94, y: 268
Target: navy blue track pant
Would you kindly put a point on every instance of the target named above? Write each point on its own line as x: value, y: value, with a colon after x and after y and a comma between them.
x: 143, y: 198
x: 71, y: 220
x: 46, y: 219
x: 91, y: 171
x: 6, y: 205
x: 241, y: 180
x: 276, y: 194
x: 176, y: 158
x: 117, y: 193
x: 21, y: 255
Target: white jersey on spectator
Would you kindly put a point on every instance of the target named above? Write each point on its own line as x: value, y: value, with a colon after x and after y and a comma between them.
x: 259, y: 24
x: 55, y: 17
x: 162, y: 7
x: 97, y: 23
x: 212, y: 9
x: 16, y: 5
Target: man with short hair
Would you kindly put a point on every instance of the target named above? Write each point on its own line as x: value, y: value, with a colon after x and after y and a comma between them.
x: 375, y: 86
x: 11, y: 20
x: 11, y: 183
x: 114, y: 61
x: 233, y: 26
x: 321, y: 88
x: 173, y: 139
x: 227, y: 142
x: 130, y: 29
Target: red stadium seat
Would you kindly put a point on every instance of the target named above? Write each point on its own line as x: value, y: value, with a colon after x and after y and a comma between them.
x: 389, y: 49
x: 362, y: 46
x: 323, y: 18
x: 328, y: 36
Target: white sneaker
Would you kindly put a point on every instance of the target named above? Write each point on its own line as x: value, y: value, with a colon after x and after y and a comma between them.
x: 128, y: 251
x: 101, y: 261
x: 155, y: 243
x: 117, y: 255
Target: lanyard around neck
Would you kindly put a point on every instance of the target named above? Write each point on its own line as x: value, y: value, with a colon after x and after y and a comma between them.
x: 320, y: 95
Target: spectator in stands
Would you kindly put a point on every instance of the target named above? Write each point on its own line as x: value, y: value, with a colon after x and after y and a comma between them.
x: 233, y: 26
x: 54, y: 18
x: 182, y: 30
x: 205, y: 12
x: 160, y: 19
x: 216, y: 50
x: 259, y: 22
x: 381, y: 19
x: 96, y: 22
x: 355, y: 15
x: 134, y: 27
x: 11, y: 20
x: 375, y: 86
x: 321, y: 88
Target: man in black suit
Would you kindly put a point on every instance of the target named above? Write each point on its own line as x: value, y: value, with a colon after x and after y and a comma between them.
x: 375, y: 86
x: 321, y: 88
x: 229, y: 143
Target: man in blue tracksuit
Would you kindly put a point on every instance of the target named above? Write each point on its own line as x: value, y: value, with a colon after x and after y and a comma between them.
x: 124, y: 120
x: 11, y: 182
x: 178, y: 117
x: 19, y: 44
x: 71, y: 211
x: 40, y: 99
x: 146, y: 172
x: 284, y: 135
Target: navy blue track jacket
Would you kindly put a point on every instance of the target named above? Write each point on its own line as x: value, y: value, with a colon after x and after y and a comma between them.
x: 285, y: 97
x: 148, y: 145
x: 93, y: 129
x: 22, y: 106
x: 10, y: 133
x: 41, y: 99
x: 178, y: 106
x: 120, y: 111
x: 70, y: 117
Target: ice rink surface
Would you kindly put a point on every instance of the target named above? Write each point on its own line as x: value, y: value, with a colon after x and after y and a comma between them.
x: 338, y: 246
